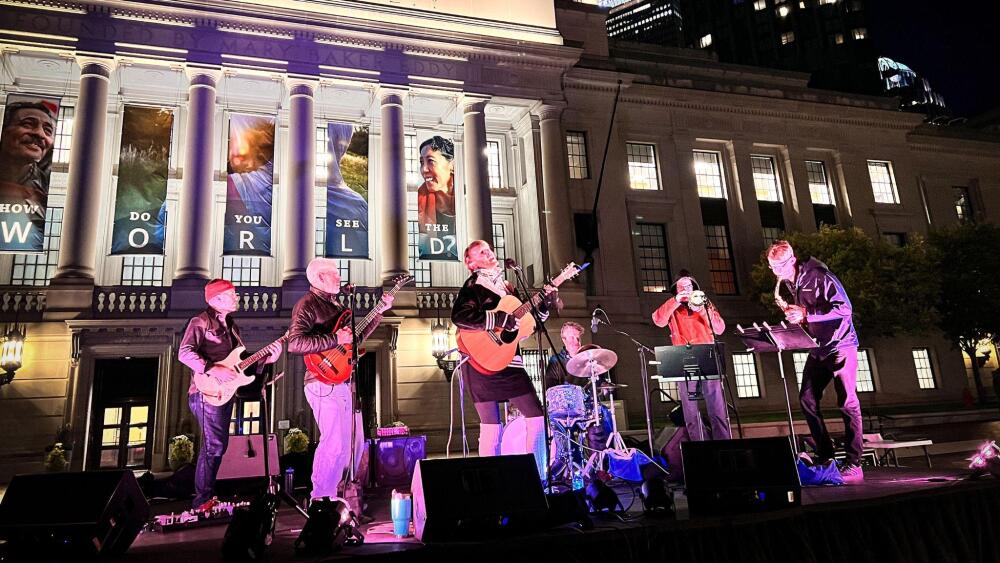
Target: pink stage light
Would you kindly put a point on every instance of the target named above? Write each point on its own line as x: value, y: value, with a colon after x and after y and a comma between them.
x: 984, y: 455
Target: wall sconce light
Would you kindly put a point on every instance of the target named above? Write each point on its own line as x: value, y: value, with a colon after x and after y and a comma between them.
x: 12, y: 352
x: 441, y: 348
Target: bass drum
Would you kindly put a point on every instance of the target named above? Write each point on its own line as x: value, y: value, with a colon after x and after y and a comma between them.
x: 513, y: 440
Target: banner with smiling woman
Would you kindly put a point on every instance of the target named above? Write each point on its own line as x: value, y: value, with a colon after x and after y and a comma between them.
x: 436, y: 201
x: 249, y: 186
x: 26, y: 142
x: 346, y: 191
x: 140, y: 201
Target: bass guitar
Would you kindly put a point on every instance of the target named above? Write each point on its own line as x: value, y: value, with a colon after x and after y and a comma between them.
x: 333, y: 366
x: 490, y: 351
x: 222, y: 380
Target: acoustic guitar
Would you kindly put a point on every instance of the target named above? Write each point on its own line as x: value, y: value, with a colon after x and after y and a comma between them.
x: 334, y: 365
x: 490, y: 351
x: 222, y: 380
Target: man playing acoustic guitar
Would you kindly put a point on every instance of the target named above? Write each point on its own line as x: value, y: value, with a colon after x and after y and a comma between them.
x: 314, y: 328
x: 209, y: 338
x: 473, y: 311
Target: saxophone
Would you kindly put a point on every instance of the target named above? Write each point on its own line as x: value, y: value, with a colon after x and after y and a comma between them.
x: 778, y: 300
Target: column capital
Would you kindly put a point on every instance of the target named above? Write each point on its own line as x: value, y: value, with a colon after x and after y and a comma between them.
x: 473, y: 103
x: 301, y: 86
x: 392, y: 95
x: 545, y: 111
x: 199, y: 75
x: 95, y: 65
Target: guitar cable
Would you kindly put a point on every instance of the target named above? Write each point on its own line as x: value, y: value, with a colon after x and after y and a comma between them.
x: 451, y: 409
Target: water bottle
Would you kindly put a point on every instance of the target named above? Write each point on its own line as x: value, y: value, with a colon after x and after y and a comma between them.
x: 289, y: 480
x: 577, y: 480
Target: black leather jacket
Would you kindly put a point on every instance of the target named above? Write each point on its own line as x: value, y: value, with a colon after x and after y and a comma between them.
x: 829, y: 312
x: 314, y: 320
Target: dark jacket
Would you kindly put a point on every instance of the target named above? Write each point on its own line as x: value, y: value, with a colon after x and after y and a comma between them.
x: 828, y: 309
x: 314, y: 322
x: 207, y: 340
x: 474, y: 303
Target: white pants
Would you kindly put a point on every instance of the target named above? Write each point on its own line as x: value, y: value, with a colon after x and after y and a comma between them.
x: 331, y: 406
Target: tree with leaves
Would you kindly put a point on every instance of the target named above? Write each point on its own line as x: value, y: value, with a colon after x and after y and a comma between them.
x: 890, y: 290
x: 967, y: 265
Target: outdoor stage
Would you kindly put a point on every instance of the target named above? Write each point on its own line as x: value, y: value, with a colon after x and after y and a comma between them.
x: 907, y: 514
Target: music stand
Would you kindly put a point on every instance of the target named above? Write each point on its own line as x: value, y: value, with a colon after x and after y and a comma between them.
x: 690, y: 362
x: 778, y: 339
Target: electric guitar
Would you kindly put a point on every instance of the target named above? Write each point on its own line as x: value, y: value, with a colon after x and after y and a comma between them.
x: 333, y: 366
x: 222, y: 380
x: 490, y: 351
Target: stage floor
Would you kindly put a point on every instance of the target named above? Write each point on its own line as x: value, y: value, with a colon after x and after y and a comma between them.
x: 889, y: 497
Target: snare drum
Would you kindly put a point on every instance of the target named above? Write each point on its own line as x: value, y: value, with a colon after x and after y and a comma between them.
x: 565, y: 401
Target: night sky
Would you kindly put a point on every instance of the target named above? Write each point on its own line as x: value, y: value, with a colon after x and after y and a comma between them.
x: 953, y: 44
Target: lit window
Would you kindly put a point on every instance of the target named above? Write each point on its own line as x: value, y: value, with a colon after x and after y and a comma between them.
x: 142, y: 270
x: 765, y: 179
x: 654, y: 264
x: 745, y: 369
x: 64, y: 135
x: 883, y: 182
x: 963, y: 205
x: 642, y: 166
x: 708, y: 175
x: 493, y: 164
x: 866, y: 378
x: 859, y: 33
x: 576, y: 150
x: 799, y: 360
x: 322, y: 152
x: 412, y: 157
x: 38, y: 269
x: 246, y: 418
x: 787, y: 37
x: 825, y: 2
x: 243, y: 271
x: 419, y: 269
x: 802, y: 5
x: 838, y: 39
x: 759, y: 5
x: 783, y: 11
x: 772, y: 235
x: 819, y: 185
x: 925, y: 373
x: 705, y: 41
x: 720, y: 259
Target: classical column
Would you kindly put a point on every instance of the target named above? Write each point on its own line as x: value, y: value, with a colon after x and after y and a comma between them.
x: 300, y: 220
x: 78, y: 248
x: 556, y: 207
x: 195, y: 237
x: 479, y: 205
x: 392, y: 185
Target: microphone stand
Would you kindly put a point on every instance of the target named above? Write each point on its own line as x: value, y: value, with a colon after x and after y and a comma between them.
x: 539, y: 330
x: 642, y: 349
x: 352, y: 471
x: 718, y: 367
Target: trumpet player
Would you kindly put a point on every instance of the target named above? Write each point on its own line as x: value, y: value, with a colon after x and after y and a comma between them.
x: 692, y: 320
x: 821, y: 304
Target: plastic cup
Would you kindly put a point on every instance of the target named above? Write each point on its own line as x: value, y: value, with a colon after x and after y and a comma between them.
x: 401, y: 508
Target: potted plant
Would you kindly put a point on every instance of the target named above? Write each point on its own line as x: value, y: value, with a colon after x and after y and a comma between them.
x: 297, y: 455
x: 181, y: 451
x: 57, y: 455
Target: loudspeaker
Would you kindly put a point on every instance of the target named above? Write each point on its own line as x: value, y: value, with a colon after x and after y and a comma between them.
x: 74, y: 514
x: 476, y: 497
x: 671, y: 451
x: 245, y: 457
x: 396, y: 459
x: 734, y: 476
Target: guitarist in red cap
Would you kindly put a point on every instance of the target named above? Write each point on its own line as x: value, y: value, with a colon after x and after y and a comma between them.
x: 473, y: 310
x: 314, y: 329
x: 209, y: 338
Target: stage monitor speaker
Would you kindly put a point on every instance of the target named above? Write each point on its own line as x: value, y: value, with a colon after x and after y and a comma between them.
x: 245, y: 457
x: 476, y: 497
x: 735, y: 476
x: 72, y: 515
x: 396, y: 459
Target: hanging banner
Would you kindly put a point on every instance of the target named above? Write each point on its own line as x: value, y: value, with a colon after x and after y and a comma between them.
x: 249, y: 186
x: 346, y: 191
x: 436, y: 201
x: 140, y: 202
x: 26, y: 142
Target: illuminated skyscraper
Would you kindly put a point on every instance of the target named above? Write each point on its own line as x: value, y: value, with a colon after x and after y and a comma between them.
x: 645, y: 21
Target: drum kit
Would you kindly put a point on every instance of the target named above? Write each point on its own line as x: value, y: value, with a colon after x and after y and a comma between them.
x: 568, y: 409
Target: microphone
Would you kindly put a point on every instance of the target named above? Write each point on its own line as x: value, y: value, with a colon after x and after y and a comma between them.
x: 511, y: 264
x: 594, y: 321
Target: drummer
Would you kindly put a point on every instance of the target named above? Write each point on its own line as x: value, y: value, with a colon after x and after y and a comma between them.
x: 571, y: 334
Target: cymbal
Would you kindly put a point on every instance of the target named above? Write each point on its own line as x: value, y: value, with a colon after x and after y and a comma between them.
x: 611, y: 386
x: 587, y: 363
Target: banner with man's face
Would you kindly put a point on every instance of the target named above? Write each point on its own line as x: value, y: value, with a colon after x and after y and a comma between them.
x: 140, y: 202
x: 249, y: 186
x: 346, y: 191
x: 438, y: 238
x: 26, y: 143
